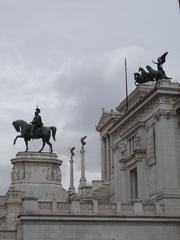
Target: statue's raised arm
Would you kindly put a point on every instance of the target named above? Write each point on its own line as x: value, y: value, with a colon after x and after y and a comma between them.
x: 160, y: 61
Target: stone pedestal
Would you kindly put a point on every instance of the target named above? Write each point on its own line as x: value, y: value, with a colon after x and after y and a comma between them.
x: 37, y: 175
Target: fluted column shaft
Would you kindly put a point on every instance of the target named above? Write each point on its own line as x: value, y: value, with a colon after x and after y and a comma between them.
x: 71, y: 187
x: 83, y: 178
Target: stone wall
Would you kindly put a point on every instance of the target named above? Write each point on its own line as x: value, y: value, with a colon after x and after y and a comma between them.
x: 84, y: 228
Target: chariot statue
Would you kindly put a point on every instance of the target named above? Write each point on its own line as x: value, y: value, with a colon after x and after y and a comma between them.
x: 35, y: 130
x: 151, y: 74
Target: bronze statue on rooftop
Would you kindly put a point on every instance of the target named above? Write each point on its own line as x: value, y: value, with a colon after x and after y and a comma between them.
x: 151, y: 74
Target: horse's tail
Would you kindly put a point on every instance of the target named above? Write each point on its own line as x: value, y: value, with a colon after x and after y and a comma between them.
x: 53, y: 129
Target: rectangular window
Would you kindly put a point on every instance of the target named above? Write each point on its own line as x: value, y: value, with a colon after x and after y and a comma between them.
x: 134, y: 184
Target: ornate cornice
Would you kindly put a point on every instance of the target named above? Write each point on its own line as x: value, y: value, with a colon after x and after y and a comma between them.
x: 137, y: 117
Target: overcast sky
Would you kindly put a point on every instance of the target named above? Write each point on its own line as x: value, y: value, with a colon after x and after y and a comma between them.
x: 67, y: 57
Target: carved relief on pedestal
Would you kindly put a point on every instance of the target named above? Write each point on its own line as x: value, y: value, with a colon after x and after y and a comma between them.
x: 49, y: 174
x: 21, y: 174
x: 53, y: 174
x: 17, y: 174
x: 56, y: 175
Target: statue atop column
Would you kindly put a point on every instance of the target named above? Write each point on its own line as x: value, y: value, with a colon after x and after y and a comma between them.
x: 83, y: 141
x: 82, y: 181
x: 71, y: 161
x: 72, y: 152
x: 151, y: 74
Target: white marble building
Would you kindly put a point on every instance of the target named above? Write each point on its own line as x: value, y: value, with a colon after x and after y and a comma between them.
x: 138, y: 197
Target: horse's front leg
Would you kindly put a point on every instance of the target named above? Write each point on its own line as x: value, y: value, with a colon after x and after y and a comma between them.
x: 19, y: 136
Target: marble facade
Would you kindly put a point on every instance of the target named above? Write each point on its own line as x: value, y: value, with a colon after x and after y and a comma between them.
x: 138, y: 196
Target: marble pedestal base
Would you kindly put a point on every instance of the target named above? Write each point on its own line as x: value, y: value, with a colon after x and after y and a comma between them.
x: 37, y: 175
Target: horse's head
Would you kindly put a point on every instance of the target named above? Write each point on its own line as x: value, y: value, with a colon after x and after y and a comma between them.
x: 16, y: 126
x: 148, y: 68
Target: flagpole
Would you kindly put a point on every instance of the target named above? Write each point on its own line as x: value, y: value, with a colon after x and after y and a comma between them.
x: 126, y: 85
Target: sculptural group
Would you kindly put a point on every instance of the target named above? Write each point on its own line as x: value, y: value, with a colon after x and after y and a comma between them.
x: 151, y: 74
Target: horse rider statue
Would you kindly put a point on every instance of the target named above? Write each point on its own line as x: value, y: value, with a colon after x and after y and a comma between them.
x: 36, y: 123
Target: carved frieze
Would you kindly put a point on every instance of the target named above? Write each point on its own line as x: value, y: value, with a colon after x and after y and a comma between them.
x: 168, y: 99
x: 134, y: 120
x: 164, y: 114
x: 17, y: 174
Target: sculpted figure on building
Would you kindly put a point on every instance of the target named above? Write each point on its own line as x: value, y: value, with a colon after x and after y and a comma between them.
x: 151, y: 74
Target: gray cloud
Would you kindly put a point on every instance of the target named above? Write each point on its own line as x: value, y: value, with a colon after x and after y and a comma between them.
x: 68, y: 58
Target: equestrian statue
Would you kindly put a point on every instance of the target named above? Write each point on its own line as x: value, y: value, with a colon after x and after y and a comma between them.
x: 35, y: 130
x: 151, y: 74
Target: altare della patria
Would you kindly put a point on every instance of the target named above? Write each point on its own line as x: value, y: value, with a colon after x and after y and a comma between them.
x: 138, y: 196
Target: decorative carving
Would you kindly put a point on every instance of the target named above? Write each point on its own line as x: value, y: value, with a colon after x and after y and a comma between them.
x: 123, y: 148
x: 87, y: 208
x: 64, y: 208
x: 167, y: 99
x: 132, y: 122
x: 138, y: 140
x: 45, y: 205
x: 21, y: 174
x: 56, y: 175
x: 49, y: 175
x: 164, y: 114
x: 107, y: 208
x: 15, y: 174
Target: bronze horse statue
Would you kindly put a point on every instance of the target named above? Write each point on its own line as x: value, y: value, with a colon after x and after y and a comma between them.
x: 142, y: 77
x: 44, y: 133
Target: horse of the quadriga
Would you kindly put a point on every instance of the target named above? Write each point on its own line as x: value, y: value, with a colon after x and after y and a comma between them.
x: 44, y: 133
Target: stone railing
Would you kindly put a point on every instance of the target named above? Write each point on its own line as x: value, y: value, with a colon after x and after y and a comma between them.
x: 91, y: 208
